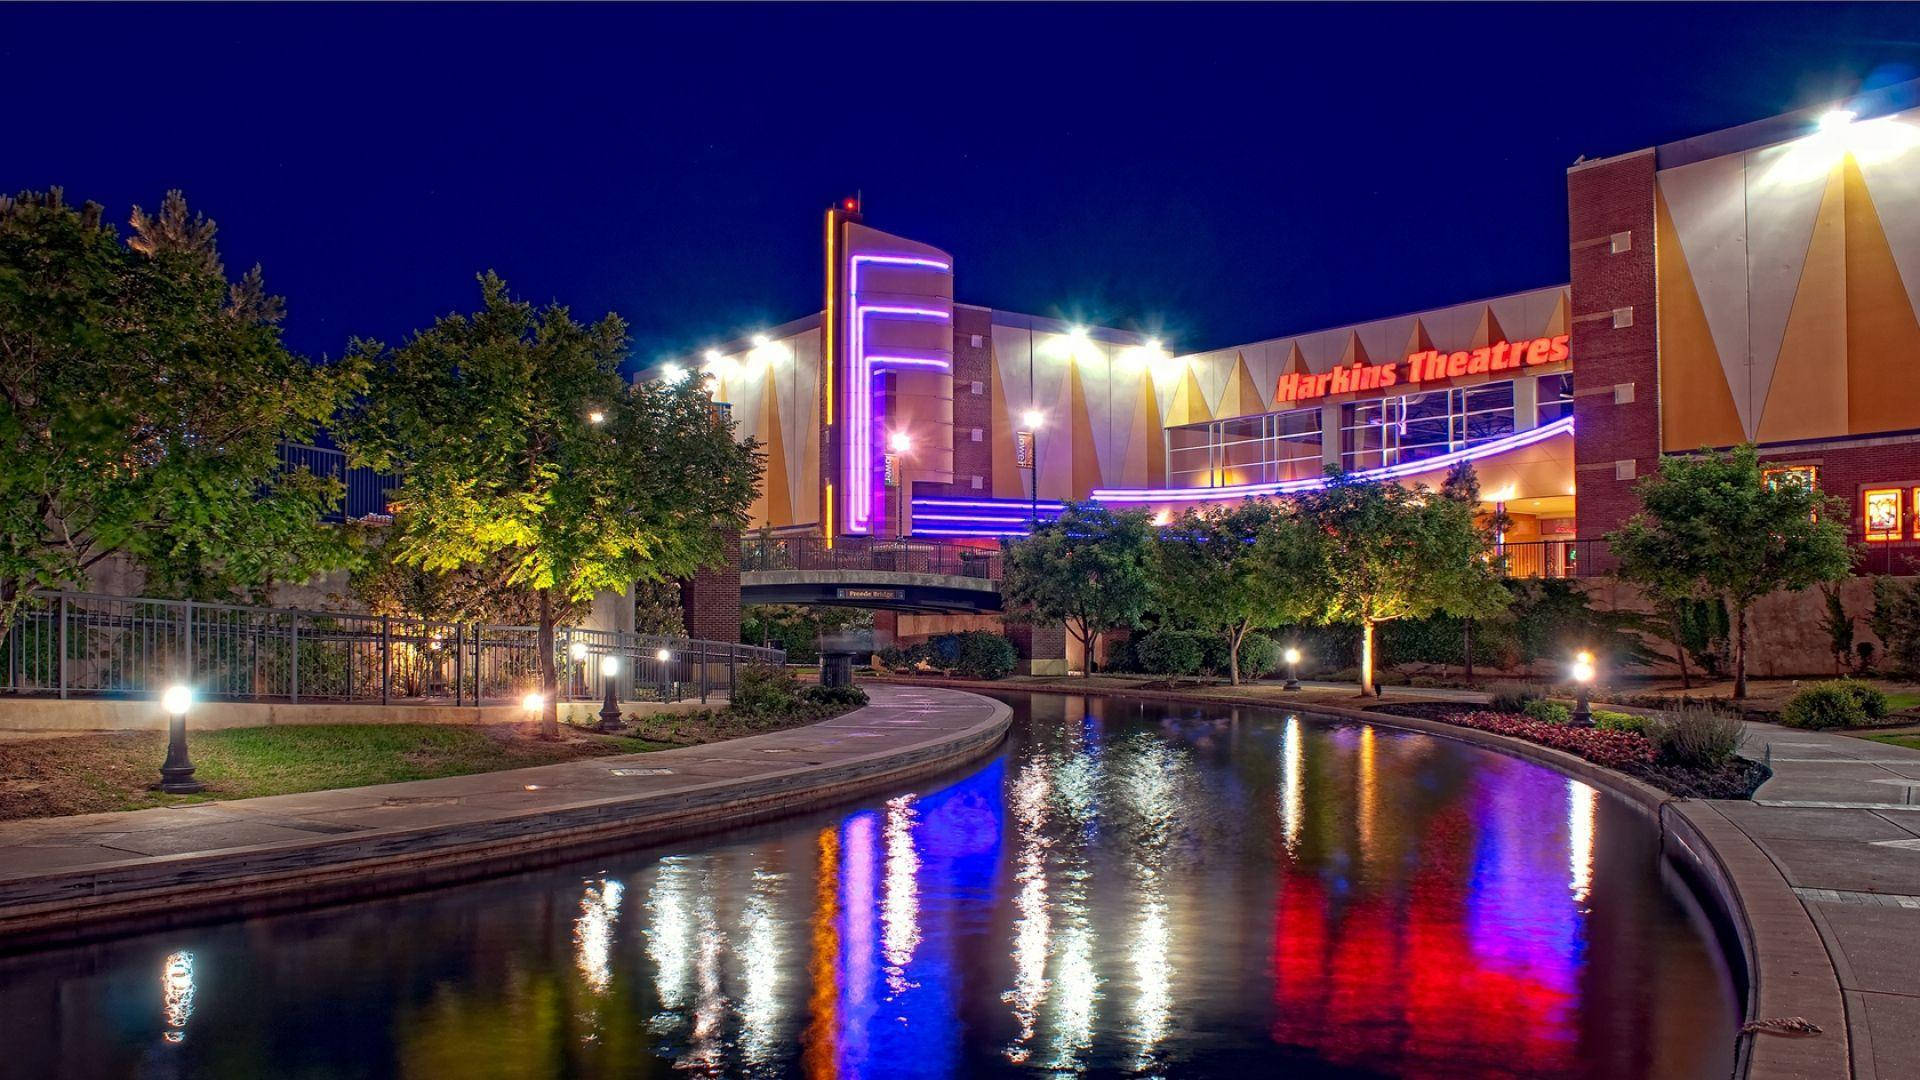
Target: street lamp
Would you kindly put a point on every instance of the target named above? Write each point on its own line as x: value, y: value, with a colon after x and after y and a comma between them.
x: 1293, y: 669
x: 901, y: 444
x: 1034, y: 418
x: 533, y: 703
x: 596, y: 417
x: 610, y: 709
x: 176, y: 773
x: 664, y: 657
x: 578, y: 651
x: 1583, y: 675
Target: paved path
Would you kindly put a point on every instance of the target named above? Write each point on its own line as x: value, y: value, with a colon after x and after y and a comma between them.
x: 1840, y: 820
x: 242, y: 855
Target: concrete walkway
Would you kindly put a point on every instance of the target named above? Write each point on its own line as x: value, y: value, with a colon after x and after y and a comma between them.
x: 1840, y: 821
x: 63, y: 878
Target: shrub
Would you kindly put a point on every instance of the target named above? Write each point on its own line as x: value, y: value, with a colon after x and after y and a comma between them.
x: 1259, y: 655
x: 1512, y: 697
x: 1697, y: 738
x: 765, y: 690
x: 1620, y: 721
x: 893, y: 658
x: 834, y: 698
x: 1169, y: 652
x: 982, y: 654
x: 1547, y: 712
x: 1613, y: 749
x: 1840, y: 703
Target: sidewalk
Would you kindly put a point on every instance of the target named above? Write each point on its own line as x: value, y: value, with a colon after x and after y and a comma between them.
x: 1840, y: 821
x: 58, y: 874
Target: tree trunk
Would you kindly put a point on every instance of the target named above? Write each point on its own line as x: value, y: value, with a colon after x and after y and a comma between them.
x: 1466, y: 650
x: 549, y: 678
x: 1740, y: 652
x: 1234, y: 637
x: 1680, y: 654
x: 1366, y: 657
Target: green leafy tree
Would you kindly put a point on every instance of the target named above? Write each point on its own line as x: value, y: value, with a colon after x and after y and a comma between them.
x: 1463, y: 485
x: 1090, y: 568
x: 144, y: 398
x: 1895, y: 620
x: 1377, y: 552
x: 1213, y: 576
x: 518, y: 446
x: 1709, y: 527
x: 1839, y: 625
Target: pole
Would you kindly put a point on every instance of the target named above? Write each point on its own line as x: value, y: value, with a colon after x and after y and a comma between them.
x: 386, y: 655
x: 294, y: 665
x: 176, y: 774
x: 610, y: 709
x: 459, y: 664
x: 63, y: 645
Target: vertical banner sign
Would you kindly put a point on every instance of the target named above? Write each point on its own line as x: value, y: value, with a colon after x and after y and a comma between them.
x: 1023, y: 449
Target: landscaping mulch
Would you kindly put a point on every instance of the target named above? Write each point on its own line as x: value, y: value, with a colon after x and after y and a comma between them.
x: 1738, y: 779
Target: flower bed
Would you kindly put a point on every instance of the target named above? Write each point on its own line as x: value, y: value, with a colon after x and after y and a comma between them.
x: 1613, y: 749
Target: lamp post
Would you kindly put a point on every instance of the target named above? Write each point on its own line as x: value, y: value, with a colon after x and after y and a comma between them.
x: 665, y: 658
x: 1583, y: 676
x: 176, y: 773
x: 1293, y: 669
x: 901, y: 444
x: 1034, y: 418
x: 534, y: 702
x: 610, y: 709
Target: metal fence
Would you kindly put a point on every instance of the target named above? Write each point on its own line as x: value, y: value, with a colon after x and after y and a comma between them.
x: 867, y: 553
x: 89, y: 645
x: 366, y: 488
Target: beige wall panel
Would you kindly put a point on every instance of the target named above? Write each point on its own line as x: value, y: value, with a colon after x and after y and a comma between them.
x: 1883, y: 338
x: 1888, y: 156
x: 1782, y: 204
x: 1706, y: 208
x: 1690, y: 369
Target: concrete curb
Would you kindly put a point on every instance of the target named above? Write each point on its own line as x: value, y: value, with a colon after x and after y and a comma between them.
x: 1788, y: 971
x: 150, y: 893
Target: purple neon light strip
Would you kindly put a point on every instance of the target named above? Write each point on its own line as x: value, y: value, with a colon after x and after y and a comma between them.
x: 1021, y: 531
x: 909, y: 361
x: 934, y: 502
x: 1562, y: 426
x: 860, y: 392
x: 978, y: 519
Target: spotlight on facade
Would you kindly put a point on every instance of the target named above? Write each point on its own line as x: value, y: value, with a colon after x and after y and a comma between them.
x: 673, y: 374
x: 761, y: 341
x: 1033, y: 418
x: 1835, y: 119
x: 900, y: 442
x: 1077, y: 333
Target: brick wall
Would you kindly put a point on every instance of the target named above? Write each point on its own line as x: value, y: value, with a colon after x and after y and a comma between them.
x: 710, y: 600
x: 970, y: 410
x: 1611, y: 258
x: 1042, y: 647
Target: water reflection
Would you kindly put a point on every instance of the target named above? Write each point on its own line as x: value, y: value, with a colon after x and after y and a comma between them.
x: 1126, y: 890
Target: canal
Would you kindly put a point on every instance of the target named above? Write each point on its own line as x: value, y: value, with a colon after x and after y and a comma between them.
x: 1125, y: 889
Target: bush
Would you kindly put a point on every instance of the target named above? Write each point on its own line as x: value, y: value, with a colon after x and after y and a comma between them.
x: 1547, y: 712
x: 1697, y: 738
x: 1613, y: 749
x: 1259, y: 655
x: 765, y: 690
x: 1213, y: 652
x: 1512, y: 697
x: 1620, y: 721
x: 1836, y: 704
x: 1169, y: 652
x: 982, y: 654
x: 834, y: 698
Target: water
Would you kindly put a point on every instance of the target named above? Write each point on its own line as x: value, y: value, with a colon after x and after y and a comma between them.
x: 1127, y: 889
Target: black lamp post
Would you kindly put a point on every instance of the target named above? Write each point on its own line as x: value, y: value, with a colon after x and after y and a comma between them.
x: 176, y: 774
x: 610, y: 709
x: 666, y: 673
x: 1293, y: 669
x: 1583, y: 675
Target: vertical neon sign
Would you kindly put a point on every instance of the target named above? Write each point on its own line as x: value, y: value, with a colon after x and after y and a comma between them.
x: 860, y: 408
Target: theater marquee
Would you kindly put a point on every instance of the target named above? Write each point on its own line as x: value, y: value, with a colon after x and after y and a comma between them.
x: 1428, y: 366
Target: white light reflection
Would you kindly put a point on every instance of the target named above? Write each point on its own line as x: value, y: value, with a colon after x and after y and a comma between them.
x: 593, y: 932
x: 1152, y: 780
x: 1582, y: 801
x: 707, y: 1048
x: 1293, y: 796
x: 1033, y: 930
x: 759, y: 956
x: 176, y: 994
x: 900, y: 901
x: 670, y: 934
x: 1369, y: 792
x: 1079, y: 987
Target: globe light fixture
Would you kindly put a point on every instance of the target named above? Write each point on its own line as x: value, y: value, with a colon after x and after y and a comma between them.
x: 176, y: 773
x: 1292, y: 656
x: 610, y: 708
x: 533, y: 702
x: 1583, y: 672
x: 578, y: 650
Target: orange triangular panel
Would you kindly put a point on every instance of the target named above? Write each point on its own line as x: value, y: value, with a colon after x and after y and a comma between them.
x: 1419, y: 341
x: 1690, y: 369
x: 1801, y: 398
x: 1146, y: 460
x: 1240, y: 397
x: 1558, y: 321
x: 1487, y: 330
x: 1883, y: 336
x: 1086, y: 456
x: 1189, y: 402
x: 776, y: 497
x: 1355, y: 353
x: 1008, y: 477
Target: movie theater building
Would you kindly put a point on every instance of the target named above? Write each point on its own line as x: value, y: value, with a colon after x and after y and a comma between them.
x: 1758, y: 285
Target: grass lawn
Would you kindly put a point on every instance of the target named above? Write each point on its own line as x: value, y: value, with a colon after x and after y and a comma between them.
x: 1903, y: 700
x: 84, y: 774
x: 1911, y: 742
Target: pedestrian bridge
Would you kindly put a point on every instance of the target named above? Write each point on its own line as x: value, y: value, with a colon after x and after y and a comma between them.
x: 892, y: 575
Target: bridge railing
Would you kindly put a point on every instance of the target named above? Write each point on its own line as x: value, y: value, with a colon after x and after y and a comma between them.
x: 866, y: 553
x: 71, y: 644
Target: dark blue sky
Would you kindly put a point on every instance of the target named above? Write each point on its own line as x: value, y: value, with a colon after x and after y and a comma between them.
x: 1217, y: 174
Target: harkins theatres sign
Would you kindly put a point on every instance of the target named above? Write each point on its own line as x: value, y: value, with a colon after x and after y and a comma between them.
x: 1429, y: 366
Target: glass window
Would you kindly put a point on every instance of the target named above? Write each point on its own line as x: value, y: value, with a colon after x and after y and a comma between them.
x: 1806, y: 476
x: 1415, y: 427
x: 1880, y: 508
x: 1553, y: 398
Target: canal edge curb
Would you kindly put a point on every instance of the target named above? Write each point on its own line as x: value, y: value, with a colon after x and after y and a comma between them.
x: 1787, y: 968
x: 75, y: 905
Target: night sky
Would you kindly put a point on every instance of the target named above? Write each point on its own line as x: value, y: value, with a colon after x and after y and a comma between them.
x: 1216, y: 175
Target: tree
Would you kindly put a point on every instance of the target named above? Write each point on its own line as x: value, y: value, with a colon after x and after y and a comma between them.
x: 518, y: 445
x: 1839, y: 626
x: 1090, y: 568
x: 1212, y: 575
x: 1380, y: 551
x: 1463, y: 485
x: 1709, y: 527
x: 1895, y: 620
x: 144, y: 401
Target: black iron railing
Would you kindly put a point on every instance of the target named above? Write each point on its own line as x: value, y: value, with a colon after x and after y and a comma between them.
x: 866, y: 553
x: 366, y: 488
